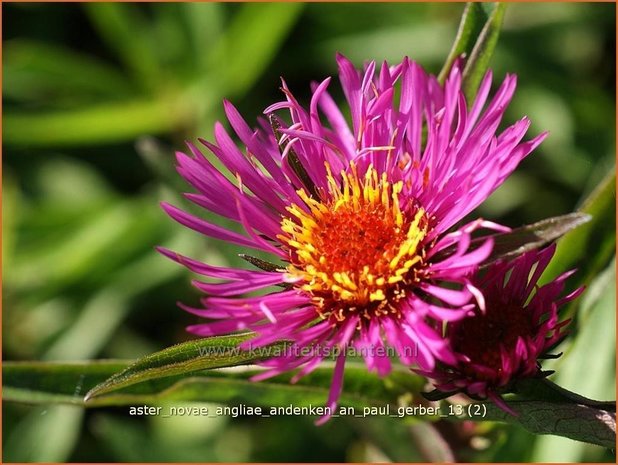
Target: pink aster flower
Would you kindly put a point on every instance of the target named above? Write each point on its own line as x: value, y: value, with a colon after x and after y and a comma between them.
x: 359, y: 219
x: 503, y: 343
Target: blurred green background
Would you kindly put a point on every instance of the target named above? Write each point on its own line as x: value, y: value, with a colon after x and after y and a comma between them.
x: 97, y: 97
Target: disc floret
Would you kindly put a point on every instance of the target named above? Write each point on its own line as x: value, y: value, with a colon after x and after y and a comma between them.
x: 359, y: 247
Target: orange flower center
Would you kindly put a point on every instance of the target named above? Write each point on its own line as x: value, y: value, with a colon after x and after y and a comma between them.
x: 357, y: 250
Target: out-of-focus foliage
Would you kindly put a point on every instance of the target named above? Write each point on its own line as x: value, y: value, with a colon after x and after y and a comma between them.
x: 83, y: 85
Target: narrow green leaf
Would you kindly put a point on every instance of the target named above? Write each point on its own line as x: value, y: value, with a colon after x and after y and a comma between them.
x: 233, y: 387
x: 36, y: 382
x: 126, y: 32
x: 11, y: 216
x: 35, y: 71
x: 543, y: 407
x: 204, y: 23
x: 570, y: 420
x: 87, y: 243
x: 593, y: 375
x: 104, y: 313
x: 191, y: 356
x: 92, y: 329
x: 475, y: 41
x: 47, y: 434
x: 57, y: 382
x: 178, y: 439
x: 261, y: 264
x: 596, y: 241
x: 171, y: 35
x: 542, y: 389
x: 39, y: 382
x: 110, y: 122
x: 478, y: 60
x: 525, y: 238
x: 475, y: 16
x: 105, y: 235
x: 251, y: 42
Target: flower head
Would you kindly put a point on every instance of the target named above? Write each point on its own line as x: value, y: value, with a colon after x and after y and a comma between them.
x: 519, y: 325
x: 358, y: 219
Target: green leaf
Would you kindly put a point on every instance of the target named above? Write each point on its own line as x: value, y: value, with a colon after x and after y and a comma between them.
x: 525, y: 238
x: 476, y: 39
x: 57, y: 264
x: 186, y: 439
x: 578, y: 370
x: 61, y: 382
x: 46, y: 434
x: 171, y: 36
x: 40, y: 382
x: 542, y: 389
x: 543, y: 407
x: 204, y: 23
x: 474, y: 17
x: 259, y: 263
x: 109, y: 122
x: 89, y: 248
x: 248, y: 45
x: 511, y: 244
x: 35, y: 71
x: 198, y: 354
x: 55, y: 382
x: 126, y: 32
x: 478, y: 61
x: 11, y: 213
x: 590, y: 247
x: 570, y: 420
x: 104, y: 313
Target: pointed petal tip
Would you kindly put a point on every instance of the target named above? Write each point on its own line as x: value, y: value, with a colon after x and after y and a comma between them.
x: 164, y: 251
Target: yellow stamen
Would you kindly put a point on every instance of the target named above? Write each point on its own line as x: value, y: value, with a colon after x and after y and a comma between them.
x: 355, y: 249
